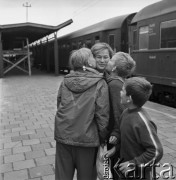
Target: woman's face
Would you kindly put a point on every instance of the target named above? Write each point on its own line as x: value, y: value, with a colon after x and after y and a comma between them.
x: 102, y: 58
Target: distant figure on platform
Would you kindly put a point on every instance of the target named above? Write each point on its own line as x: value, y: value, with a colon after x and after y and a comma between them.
x: 140, y: 147
x: 81, y: 119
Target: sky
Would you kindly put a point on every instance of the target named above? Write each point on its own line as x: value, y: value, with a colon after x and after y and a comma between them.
x: 54, y: 12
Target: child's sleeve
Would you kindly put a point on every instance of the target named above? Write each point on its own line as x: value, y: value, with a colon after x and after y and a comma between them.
x: 115, y: 108
x: 146, y: 134
x: 59, y: 95
x: 102, y: 110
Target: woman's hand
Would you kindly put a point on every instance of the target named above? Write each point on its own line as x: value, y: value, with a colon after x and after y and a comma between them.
x: 110, y: 152
x: 112, y: 140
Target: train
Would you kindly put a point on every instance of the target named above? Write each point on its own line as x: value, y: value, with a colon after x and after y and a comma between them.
x: 149, y: 36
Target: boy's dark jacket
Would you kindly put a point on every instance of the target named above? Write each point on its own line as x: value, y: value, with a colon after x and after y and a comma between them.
x: 83, y: 109
x: 139, y: 141
x: 116, y: 108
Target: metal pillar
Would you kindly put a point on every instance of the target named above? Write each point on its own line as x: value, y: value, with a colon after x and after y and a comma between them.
x: 56, y: 60
x: 47, y: 57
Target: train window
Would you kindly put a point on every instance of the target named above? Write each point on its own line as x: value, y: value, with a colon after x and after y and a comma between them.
x: 168, y: 35
x: 74, y: 45
x: 80, y: 44
x: 97, y: 39
x: 88, y: 43
x: 112, y: 41
x: 134, y: 39
x: 143, y: 37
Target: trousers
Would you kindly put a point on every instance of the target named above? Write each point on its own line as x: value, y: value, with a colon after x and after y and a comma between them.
x: 68, y: 158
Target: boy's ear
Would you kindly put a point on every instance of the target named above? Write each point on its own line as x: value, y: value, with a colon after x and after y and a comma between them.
x: 129, y: 99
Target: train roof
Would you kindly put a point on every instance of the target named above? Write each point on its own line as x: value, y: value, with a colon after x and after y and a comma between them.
x: 32, y: 31
x: 112, y: 23
x: 156, y: 9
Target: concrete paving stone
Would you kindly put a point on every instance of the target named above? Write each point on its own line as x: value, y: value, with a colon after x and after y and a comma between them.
x: 49, y: 134
x: 19, y: 129
x: 10, y: 126
x: 23, y: 164
x: 27, y: 132
x: 14, y: 157
x: 41, y: 146
x: 44, y: 130
x: 50, y: 151
x: 4, y: 131
x: 12, y: 144
x: 34, y: 154
x: 41, y: 122
x: 31, y: 142
x: 1, y: 159
x: 5, y: 139
x: 1, y: 146
x: 5, y: 167
x: 37, y: 135
x: 5, y: 152
x: 33, y: 127
x: 53, y: 144
x: 47, y: 139
x: 45, y: 160
x: 171, y: 140
x: 11, y: 134
x: 167, y: 150
x: 22, y: 149
x: 16, y: 175
x: 50, y: 177
x: 41, y: 171
x: 25, y: 124
x: 20, y: 138
x: 45, y: 125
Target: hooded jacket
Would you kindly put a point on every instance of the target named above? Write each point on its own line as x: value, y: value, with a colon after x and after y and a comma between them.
x: 83, y: 109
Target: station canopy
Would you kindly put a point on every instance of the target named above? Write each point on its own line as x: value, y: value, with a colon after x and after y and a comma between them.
x: 12, y: 35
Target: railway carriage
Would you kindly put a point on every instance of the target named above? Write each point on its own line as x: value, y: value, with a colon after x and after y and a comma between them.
x: 149, y: 36
x: 153, y: 47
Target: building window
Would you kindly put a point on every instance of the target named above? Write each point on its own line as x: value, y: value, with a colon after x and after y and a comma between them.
x: 143, y: 37
x: 112, y: 41
x: 168, y: 35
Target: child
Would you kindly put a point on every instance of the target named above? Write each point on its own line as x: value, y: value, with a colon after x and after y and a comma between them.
x: 119, y: 67
x: 81, y: 119
x: 139, y: 143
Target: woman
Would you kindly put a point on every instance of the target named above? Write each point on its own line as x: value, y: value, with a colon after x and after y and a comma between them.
x: 102, y: 53
x: 81, y: 118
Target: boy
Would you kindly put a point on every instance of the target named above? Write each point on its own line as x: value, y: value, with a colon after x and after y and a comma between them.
x: 140, y: 146
x: 119, y: 68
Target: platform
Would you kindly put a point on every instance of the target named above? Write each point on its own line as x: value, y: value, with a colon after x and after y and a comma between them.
x: 27, y: 110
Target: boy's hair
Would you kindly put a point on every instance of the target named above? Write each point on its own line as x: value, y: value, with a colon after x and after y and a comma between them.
x: 125, y: 65
x: 98, y: 47
x: 139, y: 89
x: 79, y: 58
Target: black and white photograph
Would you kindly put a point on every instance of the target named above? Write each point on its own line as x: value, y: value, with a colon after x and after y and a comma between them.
x: 87, y: 89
